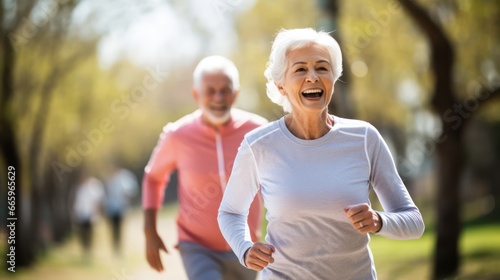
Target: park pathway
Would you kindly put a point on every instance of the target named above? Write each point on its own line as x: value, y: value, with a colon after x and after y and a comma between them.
x: 65, y: 262
x: 136, y: 242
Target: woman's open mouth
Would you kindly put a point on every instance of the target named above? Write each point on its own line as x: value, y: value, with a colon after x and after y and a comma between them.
x: 312, y: 93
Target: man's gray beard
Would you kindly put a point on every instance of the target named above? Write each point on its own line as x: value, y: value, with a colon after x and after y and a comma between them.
x: 215, y: 119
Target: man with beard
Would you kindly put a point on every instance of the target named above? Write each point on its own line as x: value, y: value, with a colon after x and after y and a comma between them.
x: 201, y: 146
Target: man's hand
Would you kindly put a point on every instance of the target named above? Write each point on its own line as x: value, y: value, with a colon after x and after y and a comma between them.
x: 363, y: 218
x: 259, y: 256
x: 153, y: 241
x: 153, y: 246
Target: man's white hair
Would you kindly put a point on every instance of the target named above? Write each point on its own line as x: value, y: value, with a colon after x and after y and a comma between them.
x: 213, y: 64
x: 291, y: 39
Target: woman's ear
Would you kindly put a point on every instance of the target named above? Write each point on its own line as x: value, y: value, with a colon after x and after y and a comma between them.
x: 280, y: 88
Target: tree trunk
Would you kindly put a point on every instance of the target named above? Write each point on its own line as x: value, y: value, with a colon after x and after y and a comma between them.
x: 29, y: 215
x: 40, y: 191
x: 58, y: 207
x: 449, y: 148
x: 11, y: 157
x: 341, y: 103
x: 448, y: 225
x: 38, y: 179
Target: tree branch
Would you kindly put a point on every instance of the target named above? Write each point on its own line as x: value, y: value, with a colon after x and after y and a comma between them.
x: 428, y: 26
x: 442, y: 55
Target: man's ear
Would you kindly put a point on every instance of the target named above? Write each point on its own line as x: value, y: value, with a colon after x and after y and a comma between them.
x: 280, y: 88
x: 195, y: 93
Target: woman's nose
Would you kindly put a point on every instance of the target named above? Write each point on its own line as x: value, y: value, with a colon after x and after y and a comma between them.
x: 312, y: 77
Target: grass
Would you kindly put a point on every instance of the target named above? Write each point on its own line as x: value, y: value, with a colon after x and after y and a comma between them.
x: 412, y: 259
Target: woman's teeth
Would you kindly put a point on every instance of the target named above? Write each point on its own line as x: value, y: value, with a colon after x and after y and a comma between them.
x: 312, y: 93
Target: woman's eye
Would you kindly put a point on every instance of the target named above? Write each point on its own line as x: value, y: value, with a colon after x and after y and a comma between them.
x: 322, y: 69
x: 300, y: 69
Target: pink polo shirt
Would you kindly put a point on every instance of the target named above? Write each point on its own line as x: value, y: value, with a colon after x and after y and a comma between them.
x: 204, y: 159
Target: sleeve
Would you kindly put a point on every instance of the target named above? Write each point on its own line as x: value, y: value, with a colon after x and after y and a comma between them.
x: 241, y: 189
x: 401, y: 218
x: 157, y: 171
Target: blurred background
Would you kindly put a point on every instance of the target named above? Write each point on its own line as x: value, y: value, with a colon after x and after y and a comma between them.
x: 88, y: 85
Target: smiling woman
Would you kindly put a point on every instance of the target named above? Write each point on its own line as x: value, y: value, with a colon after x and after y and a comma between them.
x: 329, y: 59
x: 308, y: 81
x: 315, y: 172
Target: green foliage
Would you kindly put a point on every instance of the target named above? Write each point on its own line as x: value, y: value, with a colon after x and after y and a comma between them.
x: 93, y: 115
x: 379, y: 35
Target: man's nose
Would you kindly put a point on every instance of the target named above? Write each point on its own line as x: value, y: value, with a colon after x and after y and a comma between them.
x: 219, y: 95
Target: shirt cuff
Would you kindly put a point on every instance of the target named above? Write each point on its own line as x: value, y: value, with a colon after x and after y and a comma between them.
x: 382, y: 221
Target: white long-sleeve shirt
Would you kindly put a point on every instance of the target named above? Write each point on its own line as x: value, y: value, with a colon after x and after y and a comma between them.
x: 88, y: 198
x: 305, y: 185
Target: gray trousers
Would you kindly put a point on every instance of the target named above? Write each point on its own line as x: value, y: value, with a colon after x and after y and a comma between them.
x: 201, y: 263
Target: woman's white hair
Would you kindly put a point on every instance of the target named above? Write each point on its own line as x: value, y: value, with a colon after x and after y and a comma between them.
x: 291, y: 39
x: 213, y: 64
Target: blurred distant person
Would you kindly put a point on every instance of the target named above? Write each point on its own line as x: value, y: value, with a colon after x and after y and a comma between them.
x: 121, y: 188
x: 89, y: 195
x: 202, y: 147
